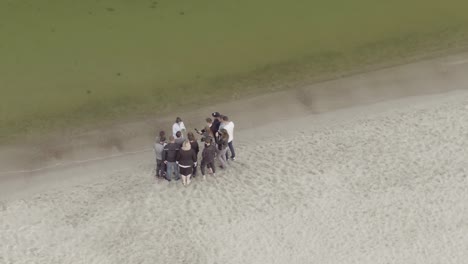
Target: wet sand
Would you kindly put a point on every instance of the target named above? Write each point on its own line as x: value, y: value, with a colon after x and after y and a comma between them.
x: 426, y: 77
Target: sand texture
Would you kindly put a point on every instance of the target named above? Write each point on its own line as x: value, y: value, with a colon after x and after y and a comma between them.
x: 384, y: 183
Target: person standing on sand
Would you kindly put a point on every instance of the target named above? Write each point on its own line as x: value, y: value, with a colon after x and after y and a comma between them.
x: 158, y: 151
x: 209, y: 124
x: 179, y: 139
x: 208, y: 156
x: 229, y: 126
x: 222, y: 147
x: 194, y: 144
x: 186, y: 158
x: 216, y: 123
x: 170, y: 158
x: 178, y: 126
x: 206, y: 133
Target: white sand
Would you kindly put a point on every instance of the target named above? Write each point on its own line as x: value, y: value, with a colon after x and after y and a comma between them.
x: 385, y: 183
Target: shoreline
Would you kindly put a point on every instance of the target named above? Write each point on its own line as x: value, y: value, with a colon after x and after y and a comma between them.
x: 313, y: 98
x: 420, y: 78
x: 281, y: 76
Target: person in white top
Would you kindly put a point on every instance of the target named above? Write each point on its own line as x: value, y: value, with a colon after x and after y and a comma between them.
x: 178, y: 126
x: 229, y: 126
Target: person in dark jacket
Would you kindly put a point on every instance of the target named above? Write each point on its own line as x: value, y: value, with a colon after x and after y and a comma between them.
x: 186, y: 158
x: 215, y: 125
x: 170, y: 158
x: 196, y: 148
x: 208, y: 156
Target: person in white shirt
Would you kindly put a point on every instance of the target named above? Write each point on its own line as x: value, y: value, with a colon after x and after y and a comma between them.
x: 178, y: 126
x: 229, y: 127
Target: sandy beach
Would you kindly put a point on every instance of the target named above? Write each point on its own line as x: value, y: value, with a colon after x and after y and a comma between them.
x: 366, y: 169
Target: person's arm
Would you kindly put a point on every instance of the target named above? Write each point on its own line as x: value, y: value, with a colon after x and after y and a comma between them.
x: 182, y: 126
x: 164, y: 155
x: 204, y: 156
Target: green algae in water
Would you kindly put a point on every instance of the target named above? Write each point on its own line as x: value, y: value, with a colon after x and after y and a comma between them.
x: 53, y: 51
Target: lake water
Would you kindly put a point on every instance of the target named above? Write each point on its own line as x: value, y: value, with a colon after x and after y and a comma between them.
x: 64, y: 60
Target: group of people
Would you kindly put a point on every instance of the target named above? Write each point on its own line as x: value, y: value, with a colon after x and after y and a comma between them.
x: 178, y: 157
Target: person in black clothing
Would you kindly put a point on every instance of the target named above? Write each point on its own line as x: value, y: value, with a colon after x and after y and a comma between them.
x: 186, y: 158
x: 216, y: 123
x: 170, y: 157
x: 195, y: 147
x: 208, y: 156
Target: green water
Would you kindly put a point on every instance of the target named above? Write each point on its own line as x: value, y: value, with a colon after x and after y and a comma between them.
x: 68, y: 62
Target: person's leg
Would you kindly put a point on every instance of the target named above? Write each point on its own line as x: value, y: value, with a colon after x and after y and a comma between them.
x: 216, y: 151
x: 170, y: 170
x: 231, y: 148
x: 222, y: 158
x: 202, y: 167
x: 194, y: 169
x: 212, y: 166
x: 177, y: 172
x: 188, y: 179
x: 158, y: 168
x: 163, y: 169
x: 184, y: 180
x: 226, y: 152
